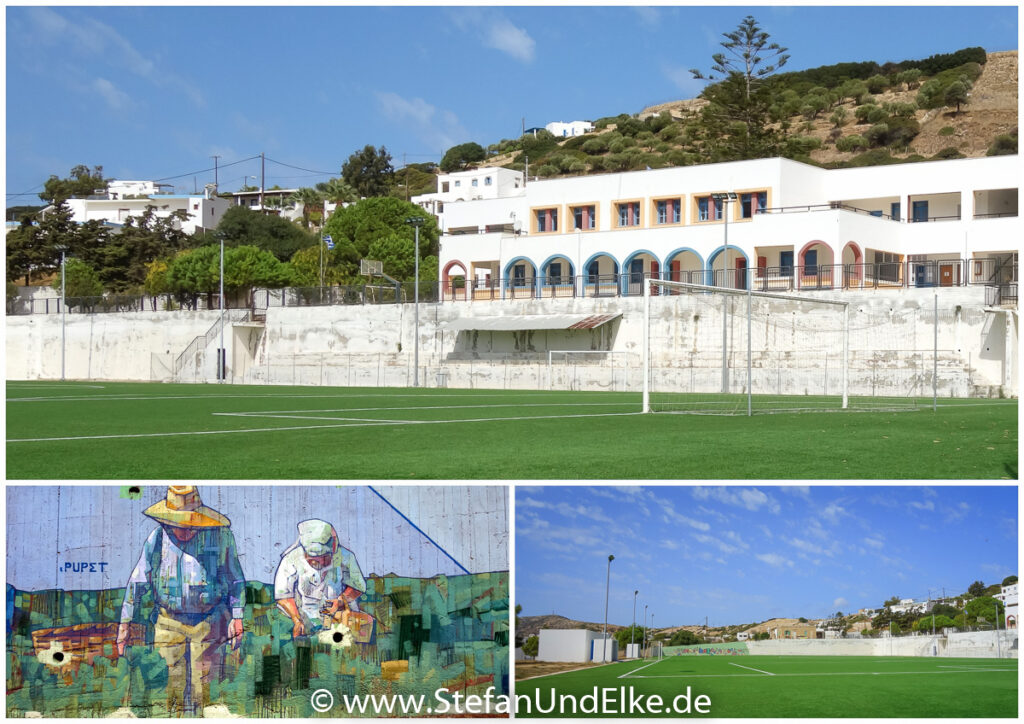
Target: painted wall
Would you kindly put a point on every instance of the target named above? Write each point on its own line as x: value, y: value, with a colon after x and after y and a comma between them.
x: 981, y: 644
x: 434, y: 558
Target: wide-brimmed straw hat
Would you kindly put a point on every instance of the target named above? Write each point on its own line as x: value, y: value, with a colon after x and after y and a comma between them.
x: 184, y: 509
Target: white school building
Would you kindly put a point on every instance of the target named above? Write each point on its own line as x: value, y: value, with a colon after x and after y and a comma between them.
x: 925, y: 254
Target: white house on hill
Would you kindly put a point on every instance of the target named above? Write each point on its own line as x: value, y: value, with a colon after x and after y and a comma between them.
x: 122, y: 199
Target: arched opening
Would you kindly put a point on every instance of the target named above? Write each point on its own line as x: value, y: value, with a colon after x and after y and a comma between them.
x: 601, y: 276
x: 557, y: 277
x: 520, y: 278
x: 684, y: 265
x: 853, y: 266
x: 727, y: 268
x: 638, y: 265
x: 453, y: 281
x: 815, y: 266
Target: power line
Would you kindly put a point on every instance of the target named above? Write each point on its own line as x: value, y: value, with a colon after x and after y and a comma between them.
x: 299, y: 168
x: 206, y: 170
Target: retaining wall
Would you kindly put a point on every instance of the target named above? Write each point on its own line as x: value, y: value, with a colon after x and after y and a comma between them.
x: 891, y: 343
x: 979, y: 644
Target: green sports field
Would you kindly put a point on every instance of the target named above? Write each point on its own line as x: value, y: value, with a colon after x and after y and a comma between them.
x: 787, y: 686
x: 107, y: 430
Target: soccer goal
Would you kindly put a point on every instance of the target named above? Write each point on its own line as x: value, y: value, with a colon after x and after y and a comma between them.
x: 715, y: 350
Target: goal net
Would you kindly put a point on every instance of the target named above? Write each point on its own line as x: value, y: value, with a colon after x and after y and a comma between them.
x: 570, y: 369
x: 713, y: 350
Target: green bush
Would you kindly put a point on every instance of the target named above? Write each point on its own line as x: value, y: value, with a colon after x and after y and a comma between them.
x: 877, y: 83
x: 594, y: 146
x: 947, y: 131
x: 949, y: 152
x: 670, y: 133
x: 1003, y: 145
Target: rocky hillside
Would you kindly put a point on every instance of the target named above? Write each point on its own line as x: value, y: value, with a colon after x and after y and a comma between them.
x: 531, y: 625
x: 943, y: 132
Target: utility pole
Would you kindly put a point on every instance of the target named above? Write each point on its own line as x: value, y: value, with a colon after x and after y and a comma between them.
x: 215, y: 169
x: 263, y: 179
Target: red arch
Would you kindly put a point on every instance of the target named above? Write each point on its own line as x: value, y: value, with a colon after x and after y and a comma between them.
x: 809, y: 244
x: 858, y: 255
x: 445, y: 277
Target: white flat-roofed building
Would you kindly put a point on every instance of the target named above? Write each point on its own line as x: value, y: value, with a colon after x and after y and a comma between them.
x: 794, y: 226
x: 204, y: 210
x: 1009, y: 597
x: 567, y: 130
x: 575, y: 645
x: 473, y: 185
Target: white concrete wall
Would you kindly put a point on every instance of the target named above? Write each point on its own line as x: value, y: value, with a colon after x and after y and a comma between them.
x: 982, y: 644
x: 565, y: 644
x: 605, y: 650
x: 373, y: 345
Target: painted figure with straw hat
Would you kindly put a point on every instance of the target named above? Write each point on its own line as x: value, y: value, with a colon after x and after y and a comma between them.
x: 190, y: 565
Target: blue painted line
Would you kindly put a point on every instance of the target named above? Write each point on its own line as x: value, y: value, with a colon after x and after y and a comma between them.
x: 406, y: 519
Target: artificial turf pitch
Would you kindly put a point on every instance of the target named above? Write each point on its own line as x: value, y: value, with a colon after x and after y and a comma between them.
x: 106, y: 430
x: 791, y: 686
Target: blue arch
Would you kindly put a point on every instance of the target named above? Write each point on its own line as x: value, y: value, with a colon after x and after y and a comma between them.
x: 595, y: 255
x: 543, y: 267
x: 682, y: 250
x: 626, y: 277
x: 512, y: 263
x: 709, y: 272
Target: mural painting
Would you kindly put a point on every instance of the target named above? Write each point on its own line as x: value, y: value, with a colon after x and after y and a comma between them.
x: 273, y: 601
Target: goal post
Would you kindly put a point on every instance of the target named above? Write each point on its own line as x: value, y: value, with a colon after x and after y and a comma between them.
x: 794, y: 350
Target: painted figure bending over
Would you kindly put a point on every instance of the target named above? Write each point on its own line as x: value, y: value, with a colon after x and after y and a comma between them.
x: 317, y: 579
x: 190, y: 565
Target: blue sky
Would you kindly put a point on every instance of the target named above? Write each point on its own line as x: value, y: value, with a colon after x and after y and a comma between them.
x: 153, y: 93
x: 742, y: 554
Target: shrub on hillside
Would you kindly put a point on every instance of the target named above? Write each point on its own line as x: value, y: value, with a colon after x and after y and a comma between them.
x: 1003, y: 145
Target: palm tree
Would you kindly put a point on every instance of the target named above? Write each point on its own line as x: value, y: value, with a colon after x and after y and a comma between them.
x: 310, y: 199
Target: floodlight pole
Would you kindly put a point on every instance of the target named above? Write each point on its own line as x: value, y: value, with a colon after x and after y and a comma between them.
x: 632, y: 629
x: 417, y: 222
x: 63, y: 312
x: 935, y: 357
x: 999, y: 647
x: 644, y: 645
x: 646, y: 401
x: 604, y: 634
x: 220, y: 352
x: 725, y: 198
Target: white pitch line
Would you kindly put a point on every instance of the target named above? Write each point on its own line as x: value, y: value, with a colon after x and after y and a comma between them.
x: 817, y: 673
x: 313, y: 427
x: 273, y: 413
x: 751, y: 668
x: 253, y: 396
x: 628, y: 673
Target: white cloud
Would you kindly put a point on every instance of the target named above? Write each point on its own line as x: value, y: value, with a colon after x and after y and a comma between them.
x: 926, y: 505
x: 683, y: 79
x: 749, y: 498
x: 496, y: 31
x: 440, y: 130
x: 874, y: 543
x: 774, y: 559
x: 670, y: 544
x: 839, y: 602
x: 721, y: 545
x: 116, y: 99
x: 567, y: 509
x: 672, y: 516
x: 832, y: 512
x: 506, y: 37
x: 648, y: 16
x: 101, y: 43
x: 807, y: 546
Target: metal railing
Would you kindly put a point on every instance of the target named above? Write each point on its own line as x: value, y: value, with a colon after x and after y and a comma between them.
x: 1002, y: 295
x: 995, y: 272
